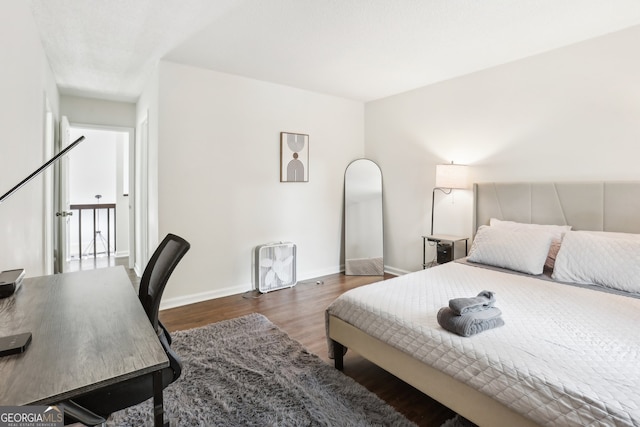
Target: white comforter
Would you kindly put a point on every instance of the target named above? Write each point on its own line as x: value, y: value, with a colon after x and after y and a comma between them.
x: 566, y: 355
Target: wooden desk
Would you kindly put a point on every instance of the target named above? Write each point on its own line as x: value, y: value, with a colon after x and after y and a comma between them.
x: 89, y: 329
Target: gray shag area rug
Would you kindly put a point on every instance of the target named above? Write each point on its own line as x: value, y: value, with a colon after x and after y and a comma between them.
x: 247, y: 372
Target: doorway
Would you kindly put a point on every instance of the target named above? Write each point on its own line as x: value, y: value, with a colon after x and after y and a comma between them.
x: 98, y: 230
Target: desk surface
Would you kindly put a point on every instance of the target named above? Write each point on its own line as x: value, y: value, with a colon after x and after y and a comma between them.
x: 88, y: 328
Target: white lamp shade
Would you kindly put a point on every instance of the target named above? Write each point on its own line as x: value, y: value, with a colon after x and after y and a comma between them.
x: 452, y: 176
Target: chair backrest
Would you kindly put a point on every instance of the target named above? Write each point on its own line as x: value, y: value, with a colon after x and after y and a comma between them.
x: 157, y: 273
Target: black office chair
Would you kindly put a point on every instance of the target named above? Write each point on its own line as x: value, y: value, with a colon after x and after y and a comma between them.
x: 95, y: 407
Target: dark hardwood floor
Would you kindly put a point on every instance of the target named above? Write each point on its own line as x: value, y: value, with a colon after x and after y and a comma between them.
x: 299, y: 311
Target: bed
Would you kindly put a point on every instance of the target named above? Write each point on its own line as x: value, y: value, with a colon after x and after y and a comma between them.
x: 568, y: 352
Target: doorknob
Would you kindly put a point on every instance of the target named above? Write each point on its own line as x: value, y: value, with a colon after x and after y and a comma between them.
x: 69, y: 213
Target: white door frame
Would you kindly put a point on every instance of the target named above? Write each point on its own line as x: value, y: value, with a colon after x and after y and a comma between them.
x: 140, y: 202
x: 61, y: 198
x: 133, y: 143
x: 49, y: 249
x: 131, y: 133
x: 63, y: 251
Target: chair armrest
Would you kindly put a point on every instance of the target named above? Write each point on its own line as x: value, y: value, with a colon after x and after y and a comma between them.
x: 174, y: 360
x: 164, y: 330
x: 74, y: 413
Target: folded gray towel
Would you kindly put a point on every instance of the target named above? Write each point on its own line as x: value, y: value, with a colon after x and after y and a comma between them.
x: 472, y: 323
x: 484, y: 300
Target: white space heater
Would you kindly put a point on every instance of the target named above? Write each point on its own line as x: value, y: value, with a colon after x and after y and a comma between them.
x: 274, y: 266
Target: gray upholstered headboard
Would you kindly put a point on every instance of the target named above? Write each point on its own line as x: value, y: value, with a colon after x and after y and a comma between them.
x: 599, y: 206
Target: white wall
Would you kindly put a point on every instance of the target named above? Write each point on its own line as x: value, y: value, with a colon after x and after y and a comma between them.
x: 570, y: 114
x: 90, y: 111
x: 92, y: 167
x: 218, y: 181
x: 25, y: 82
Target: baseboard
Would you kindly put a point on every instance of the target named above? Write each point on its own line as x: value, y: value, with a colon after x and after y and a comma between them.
x: 232, y: 290
x: 239, y: 289
x: 203, y: 296
x: 319, y: 273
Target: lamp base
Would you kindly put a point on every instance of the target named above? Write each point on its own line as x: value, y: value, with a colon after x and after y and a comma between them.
x: 10, y: 281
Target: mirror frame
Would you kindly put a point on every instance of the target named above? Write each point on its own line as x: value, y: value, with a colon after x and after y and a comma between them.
x: 368, y: 264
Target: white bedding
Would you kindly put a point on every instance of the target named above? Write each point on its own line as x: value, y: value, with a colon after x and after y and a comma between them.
x: 566, y: 355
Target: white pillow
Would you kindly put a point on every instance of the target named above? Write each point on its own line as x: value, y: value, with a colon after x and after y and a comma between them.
x: 613, y: 234
x: 607, y: 259
x: 557, y: 231
x: 524, y: 251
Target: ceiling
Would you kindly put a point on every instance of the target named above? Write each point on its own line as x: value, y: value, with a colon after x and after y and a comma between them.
x: 358, y: 49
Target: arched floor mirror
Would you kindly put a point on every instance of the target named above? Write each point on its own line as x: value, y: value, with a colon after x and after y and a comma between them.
x: 363, y: 219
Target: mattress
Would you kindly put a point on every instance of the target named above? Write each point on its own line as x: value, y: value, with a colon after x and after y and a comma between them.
x: 565, y: 356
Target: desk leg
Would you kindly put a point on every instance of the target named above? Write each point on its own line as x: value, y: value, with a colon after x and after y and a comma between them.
x: 158, y: 404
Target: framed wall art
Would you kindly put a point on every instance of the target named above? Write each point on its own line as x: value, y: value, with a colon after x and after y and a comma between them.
x: 294, y: 157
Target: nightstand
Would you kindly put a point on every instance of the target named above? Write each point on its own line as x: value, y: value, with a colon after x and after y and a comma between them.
x: 444, y: 248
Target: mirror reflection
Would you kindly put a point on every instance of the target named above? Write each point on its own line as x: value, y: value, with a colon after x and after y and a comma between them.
x: 363, y: 219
